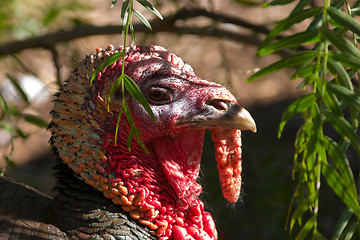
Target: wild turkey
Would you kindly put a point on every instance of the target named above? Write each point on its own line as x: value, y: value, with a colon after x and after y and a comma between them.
x: 106, y: 191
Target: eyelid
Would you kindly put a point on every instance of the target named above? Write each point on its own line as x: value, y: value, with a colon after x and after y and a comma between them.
x: 164, y: 90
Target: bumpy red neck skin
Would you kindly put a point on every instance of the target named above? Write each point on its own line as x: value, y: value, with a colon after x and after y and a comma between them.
x: 158, y: 189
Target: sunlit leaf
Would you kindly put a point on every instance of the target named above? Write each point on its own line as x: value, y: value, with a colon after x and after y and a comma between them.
x: 290, y: 41
x: 107, y: 62
x: 134, y: 91
x: 6, y: 126
x: 345, y: 129
x: 299, y: 105
x: 114, y: 88
x: 36, y: 120
x: 150, y: 7
x: 342, y: 92
x: 342, y: 75
x: 277, y: 2
x: 3, y: 106
x: 142, y: 19
x: 301, y: 209
x: 124, y: 9
x: 342, y: 223
x: 18, y: 88
x: 306, y: 228
x: 332, y: 102
x: 306, y: 71
x: 344, y: 19
x: 292, y: 61
x: 341, y: 43
x: 345, y: 59
x: 288, y: 22
x: 341, y: 162
x: 337, y: 184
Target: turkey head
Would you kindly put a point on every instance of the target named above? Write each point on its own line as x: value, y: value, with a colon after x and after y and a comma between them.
x: 157, y: 188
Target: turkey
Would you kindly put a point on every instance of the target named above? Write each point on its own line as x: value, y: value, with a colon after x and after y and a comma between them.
x: 105, y: 191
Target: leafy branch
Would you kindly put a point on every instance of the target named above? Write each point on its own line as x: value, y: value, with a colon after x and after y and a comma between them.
x: 330, y: 98
x: 124, y: 81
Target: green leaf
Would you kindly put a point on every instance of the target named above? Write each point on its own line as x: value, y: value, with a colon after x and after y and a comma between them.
x: 107, y: 62
x: 345, y: 59
x: 342, y: 223
x: 341, y: 43
x: 36, y: 120
x: 343, y: 93
x: 288, y: 22
x: 337, y: 184
x: 341, y: 162
x: 344, y: 19
x: 150, y: 7
x: 290, y: 41
x: 124, y: 8
x: 344, y: 128
x: 7, y: 126
x: 292, y: 61
x: 3, y: 106
x: 301, y: 209
x: 341, y: 74
x: 305, y: 71
x: 113, y: 2
x: 332, y: 102
x: 114, y: 88
x: 142, y: 19
x: 306, y: 228
x: 18, y: 88
x: 277, y: 2
x: 299, y: 105
x: 134, y: 91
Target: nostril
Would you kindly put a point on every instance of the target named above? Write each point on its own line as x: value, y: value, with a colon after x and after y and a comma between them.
x: 218, y: 104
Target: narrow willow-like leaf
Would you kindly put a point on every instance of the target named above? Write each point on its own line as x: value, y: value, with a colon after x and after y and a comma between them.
x: 299, y: 105
x: 332, y: 103
x: 341, y: 43
x: 36, y: 120
x: 301, y: 209
x: 3, y: 107
x: 342, y: 76
x: 292, y: 61
x: 107, y: 62
x: 150, y: 7
x: 345, y: 129
x: 6, y: 126
x: 343, y: 93
x: 344, y: 19
x: 306, y: 228
x: 341, y: 162
x: 290, y: 41
x: 113, y: 2
x: 18, y: 88
x: 142, y: 19
x: 134, y: 91
x: 124, y: 8
x: 339, y: 187
x: 133, y: 130
x: 305, y: 71
x: 113, y: 89
x: 345, y: 59
x: 288, y: 22
x: 342, y: 223
x: 277, y: 2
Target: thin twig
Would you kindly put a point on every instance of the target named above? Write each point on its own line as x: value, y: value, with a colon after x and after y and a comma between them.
x: 49, y: 40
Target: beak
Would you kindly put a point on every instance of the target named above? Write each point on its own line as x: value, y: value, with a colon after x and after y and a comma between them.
x: 218, y: 113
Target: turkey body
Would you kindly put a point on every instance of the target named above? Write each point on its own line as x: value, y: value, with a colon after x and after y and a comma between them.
x: 106, y: 190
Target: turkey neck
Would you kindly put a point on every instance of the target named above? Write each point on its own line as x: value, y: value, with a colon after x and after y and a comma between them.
x: 83, y: 213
